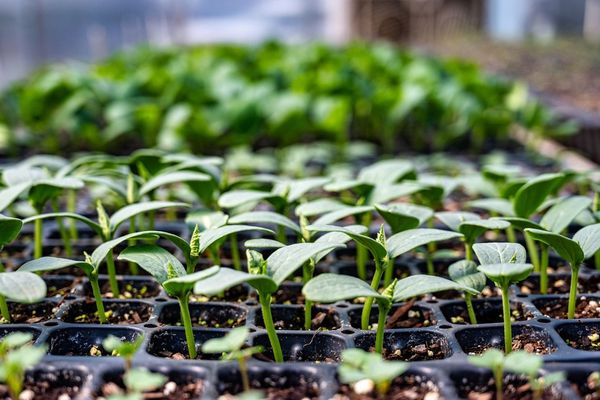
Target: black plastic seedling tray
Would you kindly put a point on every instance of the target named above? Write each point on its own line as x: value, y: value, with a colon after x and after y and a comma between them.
x: 310, y: 356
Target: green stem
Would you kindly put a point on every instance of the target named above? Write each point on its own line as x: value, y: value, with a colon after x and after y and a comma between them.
x: 265, y: 306
x: 2, y: 269
x: 280, y: 234
x: 72, y: 208
x: 37, y: 237
x: 214, y: 256
x: 244, y: 374
x: 388, y: 274
x: 4, y: 309
x: 506, y: 317
x: 361, y: 261
x: 186, y: 320
x: 15, y: 384
x: 544, y: 270
x: 470, y: 309
x: 98, y: 298
x: 510, y: 234
x: 112, y: 274
x: 308, y: 314
x: 308, y: 270
x: 235, y: 252
x: 133, y: 268
x: 383, y: 311
x: 366, y: 312
x: 151, y: 217
x: 533, y: 252
x: 498, y: 375
x: 573, y: 292
x: 430, y: 266
x: 468, y: 251
x: 597, y: 259
x: 64, y: 233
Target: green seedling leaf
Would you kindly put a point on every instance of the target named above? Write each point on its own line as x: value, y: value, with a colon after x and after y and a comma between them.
x: 22, y: 287
x: 122, y: 348
x: 227, y: 278
x: 329, y: 288
x: 384, y: 193
x: 418, y: 285
x: 263, y: 244
x: 588, y: 239
x: 236, y: 198
x: 294, y: 189
x: 232, y: 341
x: 264, y: 217
x: 500, y: 253
x: 356, y: 185
x: 401, y: 217
x: 184, y: 284
x: 563, y: 213
x: 140, y: 380
x: 171, y: 178
x: 504, y: 275
x: 212, y: 236
x: 533, y: 193
x: 285, y: 261
x: 155, y: 260
x: 521, y: 223
x: 206, y: 219
x: 386, y: 172
x: 473, y: 229
x: 9, y: 229
x: 523, y: 362
x: 318, y: 207
x: 54, y: 264
x: 568, y: 249
x: 403, y: 242
x: 499, y: 206
x: 465, y: 273
x: 127, y: 212
x: 358, y: 364
x: 336, y: 215
x: 376, y: 248
x: 93, y: 225
x: 453, y: 219
x: 491, y: 359
x: 10, y: 194
x: 14, y: 340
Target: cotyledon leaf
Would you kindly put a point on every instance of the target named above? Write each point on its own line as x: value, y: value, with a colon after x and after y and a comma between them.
x: 9, y: 229
x: 264, y: 217
x: 559, y: 216
x: 418, y: 285
x: 567, y: 248
x: 329, y: 288
x: 226, y: 278
x: 132, y: 210
x: 185, y: 283
x: 589, y: 239
x: 453, y: 219
x: 171, y: 178
x: 154, y: 260
x: 473, y: 229
x: 500, y: 253
x: 211, y: 236
x: 377, y: 249
x: 333, y: 216
x: 407, y: 240
x: 22, y: 287
x: 464, y: 272
x: 54, y: 264
x: 506, y: 274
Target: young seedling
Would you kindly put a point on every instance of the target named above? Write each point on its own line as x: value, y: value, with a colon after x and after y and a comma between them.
x: 231, y: 348
x: 585, y: 243
x: 137, y: 381
x: 465, y: 273
x: 368, y: 372
x: 504, y: 275
x: 107, y: 226
x: 9, y: 230
x: 265, y: 276
x: 329, y: 288
x: 16, y: 356
x: 123, y: 348
x: 471, y: 226
x: 169, y: 272
x: 20, y: 287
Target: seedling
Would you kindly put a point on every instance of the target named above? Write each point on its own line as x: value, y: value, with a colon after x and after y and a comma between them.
x: 137, y: 381
x: 384, y: 251
x: 585, y: 243
x: 231, y: 348
x: 107, y: 226
x: 504, y: 275
x: 265, y: 276
x: 9, y: 230
x: 465, y: 273
x: 520, y: 362
x: 123, y: 348
x: 16, y: 356
x: 329, y: 288
x: 169, y: 272
x: 366, y: 371
x: 20, y: 287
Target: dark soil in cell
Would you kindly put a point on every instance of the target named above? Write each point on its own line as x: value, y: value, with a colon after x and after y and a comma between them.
x: 122, y: 268
x: 177, y: 388
x: 128, y: 289
x: 589, y: 390
x: 589, y: 340
x: 430, y: 350
x: 591, y: 285
x: 318, y: 347
x: 349, y: 268
x: 557, y: 284
x: 236, y: 294
x: 171, y: 343
x: 407, y: 315
x: 206, y: 315
x: 528, y: 341
x: 405, y: 387
x: 30, y: 313
x: 486, y: 312
x: 515, y: 388
x: 289, y: 294
x: 292, y: 318
x: 60, y: 287
x: 121, y: 313
x: 275, y: 389
x: 49, y: 385
x: 557, y: 308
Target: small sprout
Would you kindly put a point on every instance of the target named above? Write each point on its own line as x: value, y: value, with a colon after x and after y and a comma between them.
x: 123, y: 348
x: 368, y: 371
x: 231, y: 347
x: 137, y: 381
x: 17, y: 355
x: 464, y: 272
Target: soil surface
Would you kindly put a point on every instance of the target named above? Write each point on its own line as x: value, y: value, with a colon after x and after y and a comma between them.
x: 528, y: 341
x: 558, y: 284
x: 590, y: 390
x: 406, y: 315
x: 557, y: 308
x: 120, y: 313
x: 30, y: 313
x: 293, y: 319
x: 486, y: 313
x: 514, y: 389
x: 170, y: 391
x: 589, y: 341
x: 43, y: 389
x: 127, y: 289
x: 206, y: 317
x: 236, y: 294
x: 432, y: 350
x: 406, y: 387
x: 302, y: 390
